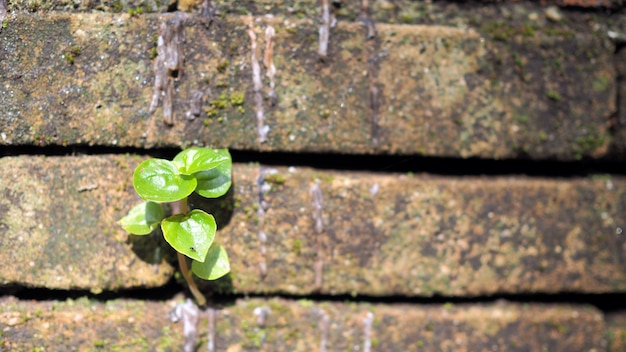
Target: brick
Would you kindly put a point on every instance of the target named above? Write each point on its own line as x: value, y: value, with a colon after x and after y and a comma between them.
x: 302, y: 326
x: 616, y: 331
x: 397, y: 11
x: 58, y: 226
x: 380, y: 235
x: 493, y: 90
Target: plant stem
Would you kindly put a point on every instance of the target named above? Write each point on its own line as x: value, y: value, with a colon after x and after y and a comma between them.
x: 184, y: 268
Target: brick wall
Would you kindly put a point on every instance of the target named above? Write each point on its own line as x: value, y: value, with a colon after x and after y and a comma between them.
x: 469, y: 159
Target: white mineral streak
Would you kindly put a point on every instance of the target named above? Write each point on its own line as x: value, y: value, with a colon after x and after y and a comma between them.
x: 211, y: 313
x: 326, y: 20
x: 367, y: 332
x: 268, y: 61
x: 262, y: 188
x: 262, y: 129
x: 324, y: 324
x: 318, y: 218
x: 316, y: 195
x: 3, y: 10
x: 168, y: 64
x: 189, y: 313
x: 261, y: 314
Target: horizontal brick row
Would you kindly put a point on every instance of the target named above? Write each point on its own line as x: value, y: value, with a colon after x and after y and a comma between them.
x: 281, y: 325
x: 397, y: 11
x: 490, y: 90
x: 299, y: 230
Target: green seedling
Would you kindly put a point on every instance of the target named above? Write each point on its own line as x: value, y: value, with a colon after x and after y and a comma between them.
x: 191, y: 232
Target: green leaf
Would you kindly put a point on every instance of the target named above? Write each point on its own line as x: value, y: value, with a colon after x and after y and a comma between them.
x: 190, y: 234
x: 215, y: 182
x: 214, y: 266
x: 158, y: 180
x: 143, y: 218
x: 196, y: 159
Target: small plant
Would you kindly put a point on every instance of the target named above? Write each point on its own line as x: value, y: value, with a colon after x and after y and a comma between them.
x: 191, y: 232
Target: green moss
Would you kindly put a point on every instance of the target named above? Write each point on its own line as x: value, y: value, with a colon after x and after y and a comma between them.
x: 69, y: 58
x: 498, y: 30
x: 584, y: 145
x: 33, y: 5
x: 153, y: 53
x: 253, y: 335
x: 72, y: 53
x: 223, y: 66
x: 601, y: 177
x: 305, y: 303
x: 276, y: 179
x: 210, y: 112
x: 559, y: 32
x: 553, y: 95
x: 296, y: 246
x: 219, y: 104
x: 527, y: 30
x: 117, y: 6
x: 75, y: 50
x: 409, y: 16
x: 5, y: 23
x: 136, y: 11
x: 237, y: 98
x: 600, y: 83
x: 502, y: 31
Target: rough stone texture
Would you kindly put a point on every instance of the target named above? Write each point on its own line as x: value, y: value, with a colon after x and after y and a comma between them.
x: 58, y: 225
x: 302, y: 326
x: 397, y: 11
x: 380, y: 234
x: 619, y: 124
x: 616, y: 331
x: 427, y: 235
x: 491, y: 89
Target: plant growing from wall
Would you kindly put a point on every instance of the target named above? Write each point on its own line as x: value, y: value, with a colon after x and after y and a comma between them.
x: 191, y: 232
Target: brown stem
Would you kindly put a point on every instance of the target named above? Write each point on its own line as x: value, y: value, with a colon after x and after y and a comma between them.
x: 184, y: 268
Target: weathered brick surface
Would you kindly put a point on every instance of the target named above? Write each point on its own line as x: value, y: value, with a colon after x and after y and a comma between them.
x: 493, y: 89
x: 380, y: 234
x: 397, y: 11
x: 619, y: 124
x: 58, y: 225
x: 616, y: 331
x: 302, y: 326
